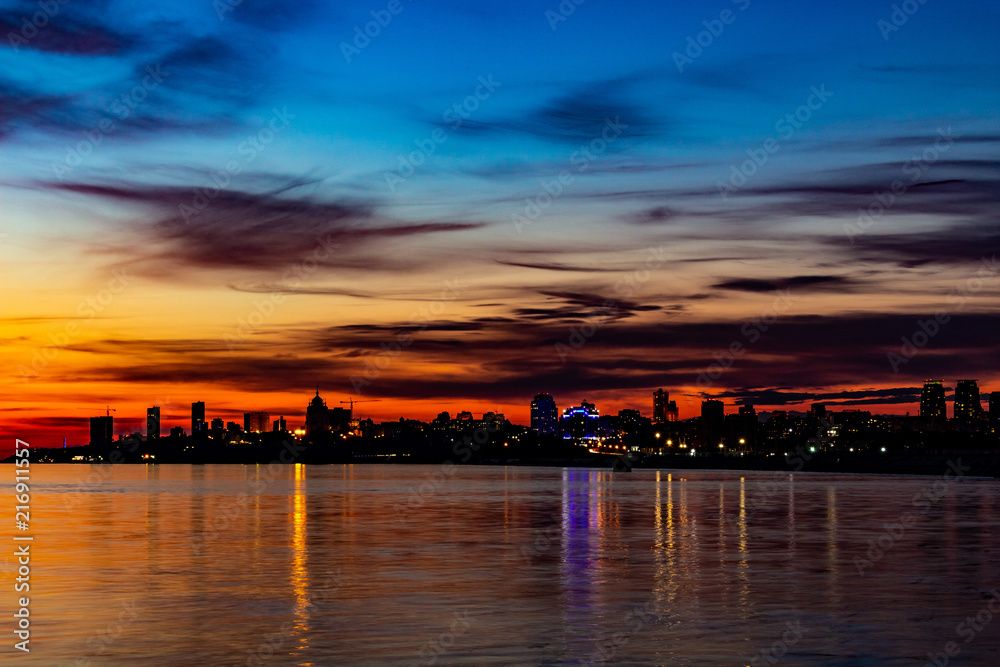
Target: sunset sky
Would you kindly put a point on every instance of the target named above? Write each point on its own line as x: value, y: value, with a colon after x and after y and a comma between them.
x: 238, y: 202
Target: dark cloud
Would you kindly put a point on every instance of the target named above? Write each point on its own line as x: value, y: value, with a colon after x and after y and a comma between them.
x: 257, y: 231
x: 511, y: 358
x: 658, y: 215
x: 582, y: 116
x: 583, y: 306
x: 22, y: 109
x: 277, y: 288
x: 600, y: 109
x: 553, y: 266
x: 957, y: 244
x: 207, y: 83
x: 963, y: 188
x: 798, y: 283
x: 772, y: 396
x: 71, y: 30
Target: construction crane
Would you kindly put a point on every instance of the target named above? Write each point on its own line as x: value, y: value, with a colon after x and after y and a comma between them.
x: 364, y: 400
x: 109, y: 410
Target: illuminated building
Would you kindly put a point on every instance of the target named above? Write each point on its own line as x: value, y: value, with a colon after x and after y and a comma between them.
x: 661, y: 400
x: 967, y: 405
x: 580, y: 423
x: 932, y: 405
x: 256, y: 422
x: 544, y: 415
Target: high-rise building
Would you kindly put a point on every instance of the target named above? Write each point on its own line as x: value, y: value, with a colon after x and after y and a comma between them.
x: 967, y: 405
x: 102, y: 431
x: 995, y: 407
x: 661, y: 400
x: 280, y: 425
x: 673, y: 414
x: 256, y: 422
x: 818, y: 410
x: 197, y: 417
x: 932, y: 405
x: 713, y: 420
x: 317, y: 416
x: 747, y: 427
x: 544, y: 415
x: 218, y: 426
x: 632, y: 423
x: 580, y: 423
x: 153, y: 423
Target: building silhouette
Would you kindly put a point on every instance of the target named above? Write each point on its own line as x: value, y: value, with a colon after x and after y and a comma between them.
x: 967, y: 403
x: 661, y: 401
x: 256, y: 422
x: 340, y: 419
x: 544, y: 415
x: 317, y: 416
x: 153, y: 423
x: 995, y: 407
x: 932, y: 404
x: 673, y: 414
x: 741, y: 429
x: 102, y: 431
x: 197, y: 417
x: 713, y: 420
x: 280, y: 425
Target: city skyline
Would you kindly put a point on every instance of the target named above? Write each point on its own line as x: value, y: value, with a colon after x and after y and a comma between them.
x: 544, y: 414
x: 235, y: 203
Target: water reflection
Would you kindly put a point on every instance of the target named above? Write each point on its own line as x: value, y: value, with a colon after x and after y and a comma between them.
x: 743, y: 563
x: 300, y: 572
x: 717, y: 575
x: 665, y: 587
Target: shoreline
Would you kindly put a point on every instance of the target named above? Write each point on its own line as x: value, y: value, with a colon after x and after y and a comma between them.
x: 974, y: 465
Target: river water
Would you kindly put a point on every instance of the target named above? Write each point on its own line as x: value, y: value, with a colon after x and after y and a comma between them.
x: 422, y: 565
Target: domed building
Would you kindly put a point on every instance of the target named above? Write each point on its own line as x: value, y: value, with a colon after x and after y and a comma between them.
x: 317, y: 416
